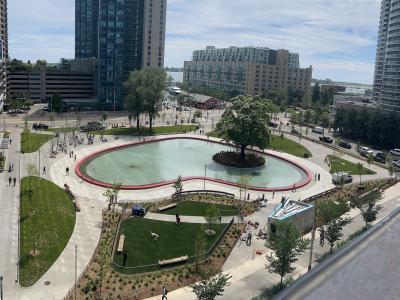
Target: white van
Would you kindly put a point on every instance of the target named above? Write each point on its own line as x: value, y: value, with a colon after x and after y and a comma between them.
x: 318, y: 130
x: 341, y: 177
x: 365, y: 151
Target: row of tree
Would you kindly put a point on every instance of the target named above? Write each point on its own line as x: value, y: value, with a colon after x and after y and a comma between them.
x: 374, y: 127
x: 19, y: 65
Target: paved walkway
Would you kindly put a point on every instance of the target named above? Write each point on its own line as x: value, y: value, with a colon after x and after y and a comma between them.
x: 88, y: 223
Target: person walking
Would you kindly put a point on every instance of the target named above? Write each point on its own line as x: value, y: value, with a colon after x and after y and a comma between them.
x: 9, y: 180
x: 67, y: 170
x: 125, y: 257
x: 15, y: 181
x: 319, y: 177
x: 44, y: 169
x: 164, y: 293
x: 10, y: 142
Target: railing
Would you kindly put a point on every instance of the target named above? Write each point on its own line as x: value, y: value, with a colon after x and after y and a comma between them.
x: 315, y: 197
x: 156, y: 266
x: 197, y: 192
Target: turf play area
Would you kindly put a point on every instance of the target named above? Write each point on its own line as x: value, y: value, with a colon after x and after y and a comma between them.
x: 174, y: 241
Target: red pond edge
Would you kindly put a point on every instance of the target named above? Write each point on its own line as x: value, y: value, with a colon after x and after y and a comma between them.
x: 91, y: 180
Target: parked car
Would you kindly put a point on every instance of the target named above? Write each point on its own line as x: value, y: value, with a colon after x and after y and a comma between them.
x: 345, y: 145
x: 380, y: 157
x: 326, y: 139
x: 318, y: 130
x: 365, y: 151
x: 395, y: 152
x: 272, y: 124
x: 40, y: 126
x: 294, y: 131
x: 342, y: 177
x: 396, y: 163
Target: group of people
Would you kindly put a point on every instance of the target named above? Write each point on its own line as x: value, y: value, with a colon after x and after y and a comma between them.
x: 10, y: 179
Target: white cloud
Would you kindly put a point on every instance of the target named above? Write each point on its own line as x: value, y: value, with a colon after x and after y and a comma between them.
x: 337, y: 37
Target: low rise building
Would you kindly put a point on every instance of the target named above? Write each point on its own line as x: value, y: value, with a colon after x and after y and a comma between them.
x: 74, y: 81
x: 248, y: 70
x: 206, y: 102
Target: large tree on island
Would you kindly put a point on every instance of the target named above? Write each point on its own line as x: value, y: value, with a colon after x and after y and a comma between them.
x: 246, y: 123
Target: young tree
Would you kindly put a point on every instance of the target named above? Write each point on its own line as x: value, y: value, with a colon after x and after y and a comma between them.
x: 32, y: 171
x: 109, y: 194
x: 178, y: 186
x: 130, y: 117
x: 287, y: 243
x: 360, y: 169
x: 330, y: 214
x: 56, y: 103
x: 212, y: 288
x: 245, y: 123
x: 211, y: 217
x: 200, y: 246
x: 116, y: 188
x: 370, y: 160
x: 368, y: 206
x: 316, y: 93
x: 78, y: 118
x: 51, y: 118
x: 104, y: 117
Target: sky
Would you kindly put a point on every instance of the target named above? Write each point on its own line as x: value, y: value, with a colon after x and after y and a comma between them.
x: 337, y: 37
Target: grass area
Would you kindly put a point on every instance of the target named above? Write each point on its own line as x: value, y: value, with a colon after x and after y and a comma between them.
x: 173, y: 242
x: 192, y: 208
x: 53, y: 222
x: 31, y: 142
x: 283, y: 144
x: 341, y: 165
x: 145, y: 131
x: 289, y: 146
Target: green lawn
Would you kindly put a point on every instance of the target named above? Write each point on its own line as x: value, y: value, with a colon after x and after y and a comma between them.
x: 53, y: 222
x: 174, y: 242
x: 156, y: 130
x: 289, y: 146
x: 282, y: 144
x: 31, y: 142
x: 342, y: 165
x: 192, y: 208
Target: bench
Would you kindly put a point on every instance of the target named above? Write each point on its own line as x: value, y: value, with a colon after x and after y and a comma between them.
x: 121, y: 243
x: 166, y: 262
x: 172, y: 205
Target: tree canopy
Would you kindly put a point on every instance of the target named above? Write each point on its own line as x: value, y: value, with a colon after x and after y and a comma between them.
x: 245, y: 122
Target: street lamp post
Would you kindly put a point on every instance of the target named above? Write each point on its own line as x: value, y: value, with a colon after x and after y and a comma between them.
x: 205, y: 175
x: 1, y: 287
x: 76, y: 269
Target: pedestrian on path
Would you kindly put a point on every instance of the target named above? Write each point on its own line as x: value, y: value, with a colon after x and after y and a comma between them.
x: 75, y: 157
x: 12, y: 167
x: 10, y: 142
x: 273, y: 194
x: 125, y: 257
x: 9, y: 180
x: 44, y: 170
x: 164, y: 293
x: 15, y: 180
x: 67, y: 170
x: 319, y: 177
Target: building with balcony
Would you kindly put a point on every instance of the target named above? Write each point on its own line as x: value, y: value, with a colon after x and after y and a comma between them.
x: 248, y: 70
x: 386, y: 91
x: 124, y: 36
x: 3, y: 52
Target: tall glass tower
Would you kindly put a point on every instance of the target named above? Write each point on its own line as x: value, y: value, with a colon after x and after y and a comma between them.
x: 387, y: 66
x: 3, y: 52
x: 127, y: 35
x: 86, y: 28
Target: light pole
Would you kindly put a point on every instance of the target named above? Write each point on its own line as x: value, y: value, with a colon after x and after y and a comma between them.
x: 1, y: 287
x: 205, y: 175
x: 76, y: 269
